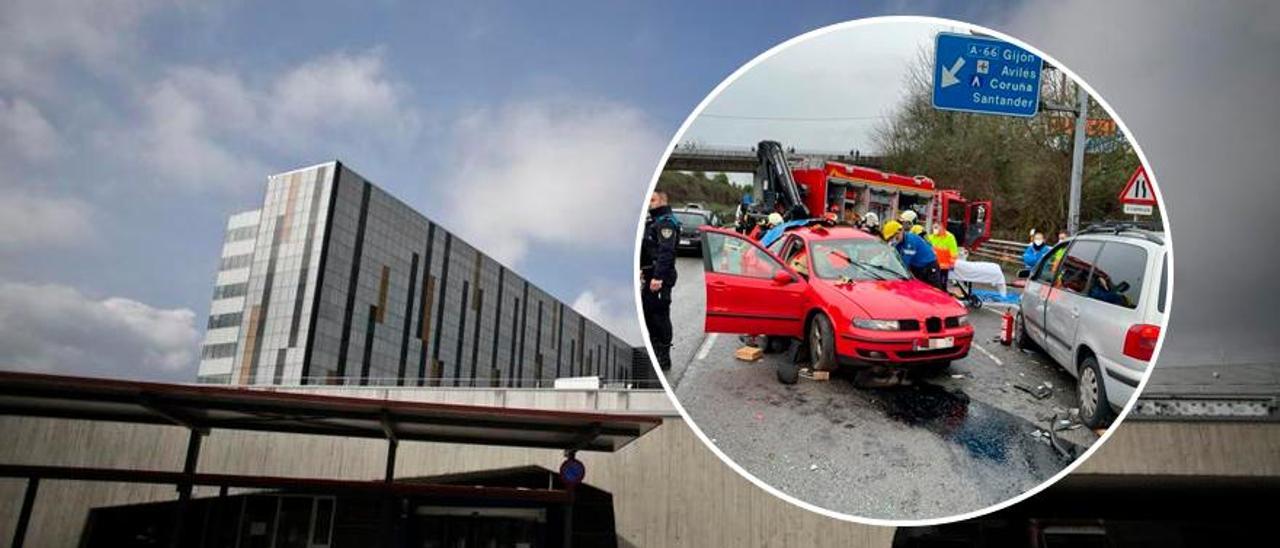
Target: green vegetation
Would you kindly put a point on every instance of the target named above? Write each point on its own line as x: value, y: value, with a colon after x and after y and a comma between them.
x: 715, y: 192
x: 1022, y: 164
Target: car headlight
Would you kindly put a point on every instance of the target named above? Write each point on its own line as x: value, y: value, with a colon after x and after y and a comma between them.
x: 962, y: 319
x: 877, y: 325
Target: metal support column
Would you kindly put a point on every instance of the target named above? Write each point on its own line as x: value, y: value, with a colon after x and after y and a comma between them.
x: 391, y: 519
x: 390, y: 475
x: 184, y: 488
x: 393, y: 441
x: 1077, y: 160
x: 568, y: 524
x: 24, y: 516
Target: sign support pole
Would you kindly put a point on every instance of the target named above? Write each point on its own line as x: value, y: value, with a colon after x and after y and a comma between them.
x: 1077, y: 161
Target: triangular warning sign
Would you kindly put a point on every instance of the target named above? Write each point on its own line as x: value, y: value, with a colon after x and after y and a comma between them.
x: 1138, y: 190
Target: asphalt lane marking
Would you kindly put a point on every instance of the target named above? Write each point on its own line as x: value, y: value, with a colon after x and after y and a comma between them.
x: 707, y: 343
x: 988, y: 354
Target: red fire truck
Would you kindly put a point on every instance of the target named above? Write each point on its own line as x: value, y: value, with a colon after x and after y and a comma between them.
x: 851, y: 191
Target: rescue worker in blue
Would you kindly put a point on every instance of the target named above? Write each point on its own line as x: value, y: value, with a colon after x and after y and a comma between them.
x: 916, y: 253
x: 658, y: 274
x: 1034, y: 251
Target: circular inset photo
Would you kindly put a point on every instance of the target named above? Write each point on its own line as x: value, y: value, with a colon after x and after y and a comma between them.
x: 904, y: 270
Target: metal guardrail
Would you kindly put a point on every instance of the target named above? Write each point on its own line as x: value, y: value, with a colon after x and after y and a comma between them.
x: 1001, y: 251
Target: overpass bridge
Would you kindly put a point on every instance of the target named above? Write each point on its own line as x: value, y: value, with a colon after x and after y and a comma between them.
x: 743, y: 159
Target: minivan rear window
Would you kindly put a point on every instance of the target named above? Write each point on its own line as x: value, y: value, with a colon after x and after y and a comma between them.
x: 1164, y: 283
x: 1118, y: 274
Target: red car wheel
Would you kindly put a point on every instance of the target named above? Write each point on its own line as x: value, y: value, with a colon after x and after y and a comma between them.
x: 822, y: 343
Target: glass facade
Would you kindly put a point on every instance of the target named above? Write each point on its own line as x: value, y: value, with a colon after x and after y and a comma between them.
x: 348, y: 285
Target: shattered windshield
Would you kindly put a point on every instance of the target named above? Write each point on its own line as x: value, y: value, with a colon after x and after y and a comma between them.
x: 856, y: 259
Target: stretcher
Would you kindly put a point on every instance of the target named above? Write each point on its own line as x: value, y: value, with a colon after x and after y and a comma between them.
x: 966, y: 273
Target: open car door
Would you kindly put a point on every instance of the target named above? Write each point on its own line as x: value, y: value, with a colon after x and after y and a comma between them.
x: 749, y: 290
x: 977, y: 224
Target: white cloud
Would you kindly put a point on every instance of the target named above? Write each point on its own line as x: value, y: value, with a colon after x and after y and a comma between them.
x: 341, y: 90
x: 57, y: 329
x: 36, y: 34
x: 614, y: 309
x: 32, y: 220
x: 205, y: 128
x: 183, y: 138
x: 25, y: 133
x: 567, y: 173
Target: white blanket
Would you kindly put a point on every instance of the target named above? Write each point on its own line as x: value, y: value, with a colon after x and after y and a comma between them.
x: 980, y: 272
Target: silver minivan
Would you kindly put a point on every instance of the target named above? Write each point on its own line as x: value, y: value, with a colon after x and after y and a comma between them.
x: 1096, y: 305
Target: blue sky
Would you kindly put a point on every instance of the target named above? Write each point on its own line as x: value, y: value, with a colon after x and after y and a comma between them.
x: 129, y: 131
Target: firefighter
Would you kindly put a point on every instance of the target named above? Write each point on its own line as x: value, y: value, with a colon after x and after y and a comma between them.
x: 658, y: 274
x: 944, y: 246
x: 774, y: 219
x: 916, y: 253
x: 908, y: 219
x: 870, y: 223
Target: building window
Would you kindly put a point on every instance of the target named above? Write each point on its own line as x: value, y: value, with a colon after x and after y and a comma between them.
x: 235, y: 261
x: 218, y: 351
x: 214, y: 379
x: 224, y: 320
x: 230, y: 290
x: 242, y: 233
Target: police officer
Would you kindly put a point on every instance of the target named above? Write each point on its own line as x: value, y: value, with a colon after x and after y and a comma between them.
x: 658, y: 274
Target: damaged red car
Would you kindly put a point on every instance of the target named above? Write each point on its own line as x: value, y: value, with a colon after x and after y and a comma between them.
x: 843, y: 293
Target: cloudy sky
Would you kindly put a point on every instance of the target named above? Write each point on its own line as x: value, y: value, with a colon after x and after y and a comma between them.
x: 826, y: 93
x: 129, y: 130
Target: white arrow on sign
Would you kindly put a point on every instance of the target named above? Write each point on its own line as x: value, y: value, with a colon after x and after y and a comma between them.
x: 949, y: 74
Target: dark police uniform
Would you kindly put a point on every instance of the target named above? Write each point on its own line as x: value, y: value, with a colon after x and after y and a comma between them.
x: 658, y: 262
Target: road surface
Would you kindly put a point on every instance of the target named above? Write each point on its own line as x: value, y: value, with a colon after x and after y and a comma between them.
x: 950, y: 444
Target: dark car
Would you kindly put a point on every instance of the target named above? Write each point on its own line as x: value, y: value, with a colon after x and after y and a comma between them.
x: 690, y: 221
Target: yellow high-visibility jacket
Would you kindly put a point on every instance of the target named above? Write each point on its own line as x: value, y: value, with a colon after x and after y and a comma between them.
x: 944, y: 246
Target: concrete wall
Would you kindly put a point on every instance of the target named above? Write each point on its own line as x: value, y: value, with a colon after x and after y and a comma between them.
x: 669, y: 490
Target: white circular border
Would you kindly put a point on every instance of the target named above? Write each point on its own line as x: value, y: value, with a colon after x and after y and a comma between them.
x: 905, y: 522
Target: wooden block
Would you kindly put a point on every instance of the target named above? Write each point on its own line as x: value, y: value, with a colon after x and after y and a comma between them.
x: 748, y: 353
x: 815, y: 375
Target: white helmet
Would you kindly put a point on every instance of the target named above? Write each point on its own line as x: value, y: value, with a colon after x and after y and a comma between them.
x: 775, y: 219
x: 871, y: 218
x: 907, y: 216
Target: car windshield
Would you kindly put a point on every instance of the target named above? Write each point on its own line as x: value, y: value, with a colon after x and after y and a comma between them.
x: 856, y: 259
x: 690, y: 219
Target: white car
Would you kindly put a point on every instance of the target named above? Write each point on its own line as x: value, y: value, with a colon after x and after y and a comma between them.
x: 1096, y: 305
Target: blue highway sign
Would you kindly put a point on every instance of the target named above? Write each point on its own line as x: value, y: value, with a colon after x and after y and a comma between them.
x: 985, y: 75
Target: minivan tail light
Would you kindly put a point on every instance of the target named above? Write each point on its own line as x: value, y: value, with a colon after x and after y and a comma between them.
x: 1140, y: 341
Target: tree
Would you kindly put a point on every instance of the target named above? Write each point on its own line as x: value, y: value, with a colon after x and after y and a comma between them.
x: 1022, y: 164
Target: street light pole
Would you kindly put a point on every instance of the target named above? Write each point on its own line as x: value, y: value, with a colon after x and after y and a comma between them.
x: 1077, y: 160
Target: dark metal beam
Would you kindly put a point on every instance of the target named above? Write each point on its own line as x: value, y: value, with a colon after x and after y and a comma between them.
x: 164, y: 477
x: 585, y: 439
x: 390, y: 473
x: 176, y: 417
x: 185, y: 485
x: 24, y: 515
x: 388, y: 427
